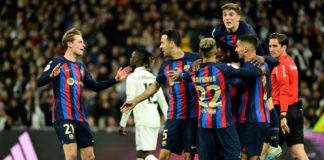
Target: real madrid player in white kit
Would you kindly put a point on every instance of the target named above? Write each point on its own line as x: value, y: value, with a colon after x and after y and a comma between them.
x: 146, y: 115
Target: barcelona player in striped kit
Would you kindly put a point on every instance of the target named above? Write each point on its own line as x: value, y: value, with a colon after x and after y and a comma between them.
x: 68, y: 78
x: 179, y: 134
x: 254, y: 118
x: 226, y: 35
x: 216, y: 132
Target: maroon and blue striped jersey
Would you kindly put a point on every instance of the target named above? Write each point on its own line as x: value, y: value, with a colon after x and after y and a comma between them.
x: 212, y: 85
x: 256, y: 92
x: 183, y: 101
x: 67, y: 88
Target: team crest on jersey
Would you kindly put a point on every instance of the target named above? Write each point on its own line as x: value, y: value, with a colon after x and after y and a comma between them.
x: 82, y: 72
x: 71, y: 136
x: 70, y: 81
x: 186, y: 67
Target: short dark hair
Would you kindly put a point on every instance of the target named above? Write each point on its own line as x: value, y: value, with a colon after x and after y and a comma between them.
x: 249, y: 38
x: 144, y: 56
x: 232, y: 6
x: 173, y: 35
x: 282, y: 38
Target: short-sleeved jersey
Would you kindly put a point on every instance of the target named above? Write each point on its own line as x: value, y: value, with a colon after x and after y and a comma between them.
x: 183, y: 101
x: 284, y: 80
x: 256, y: 92
x: 67, y: 88
x: 213, y: 90
x: 145, y: 113
x: 227, y: 41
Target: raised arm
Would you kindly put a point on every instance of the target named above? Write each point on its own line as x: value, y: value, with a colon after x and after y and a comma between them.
x: 260, y: 60
x: 129, y: 105
x: 98, y: 86
x: 162, y: 102
x: 251, y: 72
x: 51, y: 71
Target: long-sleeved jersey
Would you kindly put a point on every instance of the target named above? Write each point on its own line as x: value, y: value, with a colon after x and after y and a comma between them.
x: 68, y: 86
x: 256, y: 92
x: 183, y: 101
x: 145, y: 113
x: 284, y: 80
x: 212, y: 85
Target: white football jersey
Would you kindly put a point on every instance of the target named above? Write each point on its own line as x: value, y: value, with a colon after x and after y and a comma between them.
x: 145, y: 113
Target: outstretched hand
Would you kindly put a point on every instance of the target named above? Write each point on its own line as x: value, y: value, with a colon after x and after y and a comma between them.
x: 122, y: 73
x: 56, y: 71
x: 127, y: 106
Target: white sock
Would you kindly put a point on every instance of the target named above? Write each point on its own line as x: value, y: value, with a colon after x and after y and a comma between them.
x: 150, y: 157
x: 139, y: 159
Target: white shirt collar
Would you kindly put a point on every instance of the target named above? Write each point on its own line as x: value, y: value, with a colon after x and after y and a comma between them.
x: 140, y: 68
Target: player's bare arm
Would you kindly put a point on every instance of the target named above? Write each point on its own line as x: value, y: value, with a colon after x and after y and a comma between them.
x: 129, y: 105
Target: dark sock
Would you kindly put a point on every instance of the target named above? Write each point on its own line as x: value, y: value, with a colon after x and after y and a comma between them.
x: 274, y: 128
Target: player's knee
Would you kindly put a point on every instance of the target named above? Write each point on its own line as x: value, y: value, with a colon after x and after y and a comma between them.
x: 71, y: 156
x: 301, y: 156
x: 188, y: 156
x: 88, y: 157
x: 299, y: 152
x: 164, y: 155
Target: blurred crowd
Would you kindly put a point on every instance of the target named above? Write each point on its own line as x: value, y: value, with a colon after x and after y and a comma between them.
x: 31, y: 32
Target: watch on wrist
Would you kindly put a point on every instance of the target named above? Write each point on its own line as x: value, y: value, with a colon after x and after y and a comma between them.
x: 282, y: 116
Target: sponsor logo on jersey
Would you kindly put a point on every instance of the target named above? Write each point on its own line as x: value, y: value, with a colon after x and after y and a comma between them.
x: 70, y: 81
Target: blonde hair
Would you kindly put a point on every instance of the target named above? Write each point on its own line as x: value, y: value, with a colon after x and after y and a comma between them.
x: 69, y: 36
x: 232, y: 6
x: 207, y: 46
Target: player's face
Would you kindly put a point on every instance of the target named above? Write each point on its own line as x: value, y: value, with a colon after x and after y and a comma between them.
x: 240, y: 49
x: 165, y: 46
x: 275, y: 48
x: 77, y: 45
x: 231, y: 19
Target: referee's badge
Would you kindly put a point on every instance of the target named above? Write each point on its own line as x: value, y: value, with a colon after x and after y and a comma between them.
x: 70, y: 81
